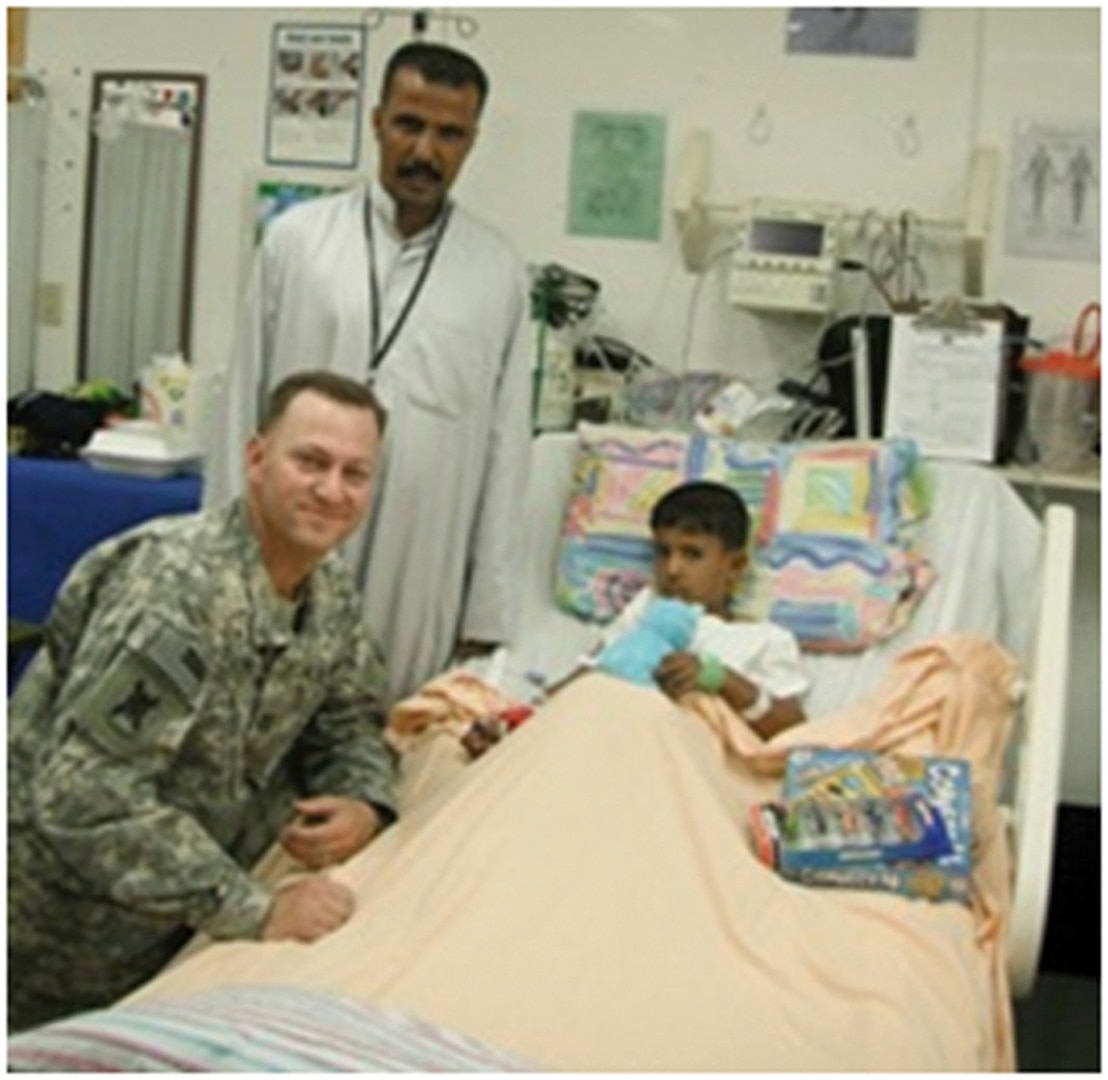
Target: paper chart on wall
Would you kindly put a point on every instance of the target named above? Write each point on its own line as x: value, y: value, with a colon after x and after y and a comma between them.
x: 944, y: 388
x: 616, y: 169
x: 315, y: 95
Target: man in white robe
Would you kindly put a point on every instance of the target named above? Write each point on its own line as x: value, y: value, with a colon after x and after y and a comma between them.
x: 438, y: 561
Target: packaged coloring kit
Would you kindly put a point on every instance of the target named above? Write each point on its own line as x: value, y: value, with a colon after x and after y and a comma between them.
x: 863, y: 820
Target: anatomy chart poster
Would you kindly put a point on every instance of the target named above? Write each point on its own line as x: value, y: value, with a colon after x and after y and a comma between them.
x: 1054, y: 191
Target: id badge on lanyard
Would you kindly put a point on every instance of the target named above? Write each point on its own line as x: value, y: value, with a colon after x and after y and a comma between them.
x: 379, y: 349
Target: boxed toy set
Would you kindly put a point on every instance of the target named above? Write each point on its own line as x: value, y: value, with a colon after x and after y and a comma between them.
x: 862, y: 820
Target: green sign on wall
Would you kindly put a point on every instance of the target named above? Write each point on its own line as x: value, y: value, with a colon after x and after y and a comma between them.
x: 616, y: 175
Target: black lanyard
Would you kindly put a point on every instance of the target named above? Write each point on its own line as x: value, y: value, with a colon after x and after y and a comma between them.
x: 378, y: 351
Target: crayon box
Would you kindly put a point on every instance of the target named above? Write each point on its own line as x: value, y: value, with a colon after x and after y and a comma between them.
x: 815, y: 772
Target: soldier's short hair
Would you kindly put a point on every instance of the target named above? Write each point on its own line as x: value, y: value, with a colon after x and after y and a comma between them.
x: 437, y: 64
x: 328, y: 384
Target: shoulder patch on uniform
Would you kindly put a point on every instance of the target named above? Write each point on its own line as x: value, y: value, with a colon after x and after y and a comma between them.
x: 173, y: 654
x: 137, y: 704
x: 194, y: 662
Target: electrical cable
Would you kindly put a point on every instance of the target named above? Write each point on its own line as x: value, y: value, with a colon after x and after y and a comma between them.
x: 893, y: 255
x: 684, y: 401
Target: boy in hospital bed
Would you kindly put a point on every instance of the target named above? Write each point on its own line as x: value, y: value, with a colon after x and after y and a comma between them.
x: 700, y: 531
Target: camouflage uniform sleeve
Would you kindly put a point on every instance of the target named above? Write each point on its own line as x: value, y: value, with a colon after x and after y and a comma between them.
x: 343, y: 751
x: 125, y: 708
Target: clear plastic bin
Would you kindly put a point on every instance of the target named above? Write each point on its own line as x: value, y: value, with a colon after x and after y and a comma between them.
x: 1062, y: 418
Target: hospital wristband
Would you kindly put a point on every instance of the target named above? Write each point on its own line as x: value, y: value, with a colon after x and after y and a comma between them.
x: 758, y: 708
x: 712, y: 674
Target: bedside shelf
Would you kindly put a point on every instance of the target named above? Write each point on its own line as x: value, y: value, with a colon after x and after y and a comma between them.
x: 1027, y: 476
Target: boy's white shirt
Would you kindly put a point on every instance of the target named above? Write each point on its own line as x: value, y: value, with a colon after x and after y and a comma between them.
x: 766, y: 654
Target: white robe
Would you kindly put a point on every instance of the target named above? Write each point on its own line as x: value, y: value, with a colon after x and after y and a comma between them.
x: 438, y: 557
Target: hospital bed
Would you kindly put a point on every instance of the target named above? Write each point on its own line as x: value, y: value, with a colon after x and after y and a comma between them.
x: 581, y: 897
x: 1002, y: 574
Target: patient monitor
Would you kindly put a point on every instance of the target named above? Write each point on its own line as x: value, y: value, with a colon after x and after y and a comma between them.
x: 785, y: 256
x: 784, y: 253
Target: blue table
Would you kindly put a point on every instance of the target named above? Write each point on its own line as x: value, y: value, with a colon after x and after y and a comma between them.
x: 57, y: 510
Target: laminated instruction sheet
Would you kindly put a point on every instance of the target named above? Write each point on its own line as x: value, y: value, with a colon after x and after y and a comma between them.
x: 944, y: 387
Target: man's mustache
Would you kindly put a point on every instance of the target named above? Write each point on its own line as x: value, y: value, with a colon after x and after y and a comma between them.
x: 412, y: 170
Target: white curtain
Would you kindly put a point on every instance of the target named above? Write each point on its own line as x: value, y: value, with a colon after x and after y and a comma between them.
x: 137, y: 264
x: 27, y: 127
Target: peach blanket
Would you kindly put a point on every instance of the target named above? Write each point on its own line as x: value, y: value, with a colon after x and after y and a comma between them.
x: 585, y: 895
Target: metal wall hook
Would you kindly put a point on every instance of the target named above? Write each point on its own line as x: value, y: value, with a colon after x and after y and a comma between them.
x: 908, y: 139
x: 760, y: 129
x: 465, y: 26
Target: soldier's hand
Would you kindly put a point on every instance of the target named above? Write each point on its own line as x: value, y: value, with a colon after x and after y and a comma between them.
x: 329, y: 829
x: 307, y: 909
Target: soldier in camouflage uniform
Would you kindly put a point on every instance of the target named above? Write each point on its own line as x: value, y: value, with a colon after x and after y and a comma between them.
x: 206, y: 687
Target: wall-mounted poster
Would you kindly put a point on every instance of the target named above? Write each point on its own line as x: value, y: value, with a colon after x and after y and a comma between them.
x: 848, y: 31
x: 274, y: 197
x: 1054, y: 191
x: 616, y: 175
x: 316, y: 95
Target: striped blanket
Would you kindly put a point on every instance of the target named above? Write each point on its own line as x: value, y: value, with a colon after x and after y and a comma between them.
x: 251, y: 1029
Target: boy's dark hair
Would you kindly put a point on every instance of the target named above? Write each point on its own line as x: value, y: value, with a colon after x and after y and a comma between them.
x: 703, y: 506
x: 438, y: 64
x: 328, y: 384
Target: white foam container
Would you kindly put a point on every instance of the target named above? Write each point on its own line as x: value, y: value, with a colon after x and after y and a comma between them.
x: 142, y: 448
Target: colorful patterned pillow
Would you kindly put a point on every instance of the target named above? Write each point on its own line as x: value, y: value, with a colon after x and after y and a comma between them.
x: 835, y: 593
x: 870, y: 490
x: 829, y: 527
x: 619, y: 474
x: 834, y: 564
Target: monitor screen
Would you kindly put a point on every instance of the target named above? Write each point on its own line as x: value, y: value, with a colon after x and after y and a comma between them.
x: 768, y: 237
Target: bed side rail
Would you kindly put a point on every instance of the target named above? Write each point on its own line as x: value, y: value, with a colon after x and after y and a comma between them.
x: 1039, y: 754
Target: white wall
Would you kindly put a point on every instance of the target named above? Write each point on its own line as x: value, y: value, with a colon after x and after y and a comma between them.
x: 835, y: 122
